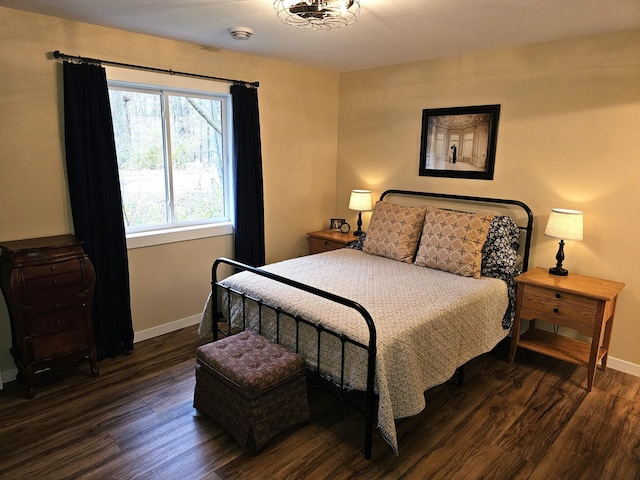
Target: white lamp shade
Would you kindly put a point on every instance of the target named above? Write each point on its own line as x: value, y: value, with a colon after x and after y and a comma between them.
x: 565, y: 224
x: 360, y: 200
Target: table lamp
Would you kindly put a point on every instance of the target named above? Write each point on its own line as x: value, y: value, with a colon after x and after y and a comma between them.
x: 361, y: 201
x: 564, y: 224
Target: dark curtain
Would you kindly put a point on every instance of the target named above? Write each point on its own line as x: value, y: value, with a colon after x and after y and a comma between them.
x: 247, y: 170
x: 94, y: 189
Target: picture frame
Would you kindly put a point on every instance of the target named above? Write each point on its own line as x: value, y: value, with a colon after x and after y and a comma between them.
x: 336, y: 223
x: 459, y: 142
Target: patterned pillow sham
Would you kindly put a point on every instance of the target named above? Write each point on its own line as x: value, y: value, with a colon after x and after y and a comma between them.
x: 500, y: 251
x: 394, y: 231
x: 500, y: 259
x: 452, y: 241
x: 357, y: 245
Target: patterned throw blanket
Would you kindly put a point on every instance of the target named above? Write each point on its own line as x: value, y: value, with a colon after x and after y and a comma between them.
x: 428, y: 322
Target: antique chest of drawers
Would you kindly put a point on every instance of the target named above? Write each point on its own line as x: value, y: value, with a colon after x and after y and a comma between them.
x: 48, y: 285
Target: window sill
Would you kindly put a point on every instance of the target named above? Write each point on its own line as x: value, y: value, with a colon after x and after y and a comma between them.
x: 174, y: 235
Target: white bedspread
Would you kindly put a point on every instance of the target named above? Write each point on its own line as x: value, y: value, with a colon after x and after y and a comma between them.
x: 428, y: 322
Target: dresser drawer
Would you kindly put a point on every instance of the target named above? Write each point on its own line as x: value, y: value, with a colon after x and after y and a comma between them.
x: 319, y: 245
x: 566, y: 309
x: 61, y: 343
x: 56, y: 304
x: 54, y: 286
x: 57, y: 321
x: 51, y: 269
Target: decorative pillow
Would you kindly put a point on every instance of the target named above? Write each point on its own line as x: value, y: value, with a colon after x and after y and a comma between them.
x: 500, y: 251
x: 357, y: 245
x: 394, y: 231
x: 452, y: 241
x: 500, y: 259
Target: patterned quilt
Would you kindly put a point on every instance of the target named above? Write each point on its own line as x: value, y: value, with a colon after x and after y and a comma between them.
x: 428, y: 322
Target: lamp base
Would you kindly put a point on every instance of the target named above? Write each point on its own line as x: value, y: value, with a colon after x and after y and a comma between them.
x: 562, y: 272
x: 558, y: 270
x: 359, y: 231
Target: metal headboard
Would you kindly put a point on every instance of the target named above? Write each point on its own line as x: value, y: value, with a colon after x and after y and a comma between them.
x: 527, y: 229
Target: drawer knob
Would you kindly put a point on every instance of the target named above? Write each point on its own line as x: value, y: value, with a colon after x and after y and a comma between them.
x: 53, y: 268
x: 558, y: 295
x: 555, y: 310
x: 326, y: 242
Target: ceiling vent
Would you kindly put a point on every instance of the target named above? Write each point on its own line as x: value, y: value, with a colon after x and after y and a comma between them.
x: 240, y: 33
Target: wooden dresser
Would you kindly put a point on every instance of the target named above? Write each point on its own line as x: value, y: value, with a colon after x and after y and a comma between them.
x: 48, y: 285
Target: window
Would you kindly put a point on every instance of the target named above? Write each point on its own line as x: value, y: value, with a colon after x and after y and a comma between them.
x: 173, y: 156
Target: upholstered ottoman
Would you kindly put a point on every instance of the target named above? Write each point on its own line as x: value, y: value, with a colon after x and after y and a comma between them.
x: 252, y: 387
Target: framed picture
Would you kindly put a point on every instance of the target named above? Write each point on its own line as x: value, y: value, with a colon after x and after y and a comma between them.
x: 336, y: 223
x: 459, y: 142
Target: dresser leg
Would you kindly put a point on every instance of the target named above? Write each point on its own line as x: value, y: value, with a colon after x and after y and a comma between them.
x: 93, y: 359
x: 29, y: 375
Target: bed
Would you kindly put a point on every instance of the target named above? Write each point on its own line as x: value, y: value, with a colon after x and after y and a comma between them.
x: 428, y: 288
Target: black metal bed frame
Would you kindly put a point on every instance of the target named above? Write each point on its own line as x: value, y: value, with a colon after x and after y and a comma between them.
x: 338, y: 391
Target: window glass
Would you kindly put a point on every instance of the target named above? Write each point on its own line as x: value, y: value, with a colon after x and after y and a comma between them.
x: 172, y: 157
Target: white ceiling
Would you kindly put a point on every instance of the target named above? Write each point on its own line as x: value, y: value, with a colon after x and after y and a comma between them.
x: 387, y: 31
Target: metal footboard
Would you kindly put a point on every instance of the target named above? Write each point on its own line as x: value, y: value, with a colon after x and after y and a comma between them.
x: 315, y: 374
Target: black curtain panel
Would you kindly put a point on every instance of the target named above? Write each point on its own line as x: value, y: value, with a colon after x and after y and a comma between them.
x: 247, y: 169
x: 96, y: 205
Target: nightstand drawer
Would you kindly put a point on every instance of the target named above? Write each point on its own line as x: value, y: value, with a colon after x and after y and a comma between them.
x: 566, y: 309
x: 319, y: 245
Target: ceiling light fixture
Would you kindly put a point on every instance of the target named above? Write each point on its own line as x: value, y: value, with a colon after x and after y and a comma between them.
x: 317, y: 14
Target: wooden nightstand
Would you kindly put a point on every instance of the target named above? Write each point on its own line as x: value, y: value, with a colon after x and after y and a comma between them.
x: 585, y: 304
x: 326, y: 240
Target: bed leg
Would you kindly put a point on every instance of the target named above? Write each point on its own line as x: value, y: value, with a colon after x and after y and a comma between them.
x: 460, y: 375
x: 368, y: 438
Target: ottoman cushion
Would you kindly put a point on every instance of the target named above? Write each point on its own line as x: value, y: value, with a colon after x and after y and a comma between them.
x: 250, y: 363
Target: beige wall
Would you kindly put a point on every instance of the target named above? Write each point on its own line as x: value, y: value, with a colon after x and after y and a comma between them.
x: 568, y: 137
x: 169, y: 282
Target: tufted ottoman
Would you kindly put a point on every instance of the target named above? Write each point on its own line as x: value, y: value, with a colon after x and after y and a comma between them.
x: 252, y: 387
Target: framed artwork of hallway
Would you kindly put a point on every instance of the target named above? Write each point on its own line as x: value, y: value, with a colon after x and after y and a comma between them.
x: 459, y: 142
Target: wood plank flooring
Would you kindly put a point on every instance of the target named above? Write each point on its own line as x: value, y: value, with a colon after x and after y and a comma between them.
x: 530, y: 420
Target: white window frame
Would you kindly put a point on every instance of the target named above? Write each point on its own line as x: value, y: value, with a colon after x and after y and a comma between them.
x: 136, y: 79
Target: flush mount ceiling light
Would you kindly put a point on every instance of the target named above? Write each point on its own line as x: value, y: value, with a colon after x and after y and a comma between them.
x: 317, y: 14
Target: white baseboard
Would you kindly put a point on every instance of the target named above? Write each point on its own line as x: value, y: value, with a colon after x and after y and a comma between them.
x: 9, y: 375
x: 623, y: 366
x: 166, y: 328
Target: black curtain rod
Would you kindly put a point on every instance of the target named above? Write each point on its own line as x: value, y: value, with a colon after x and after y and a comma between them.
x: 63, y: 56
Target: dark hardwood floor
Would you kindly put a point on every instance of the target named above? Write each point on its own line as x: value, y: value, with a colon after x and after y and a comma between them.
x: 533, y: 419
